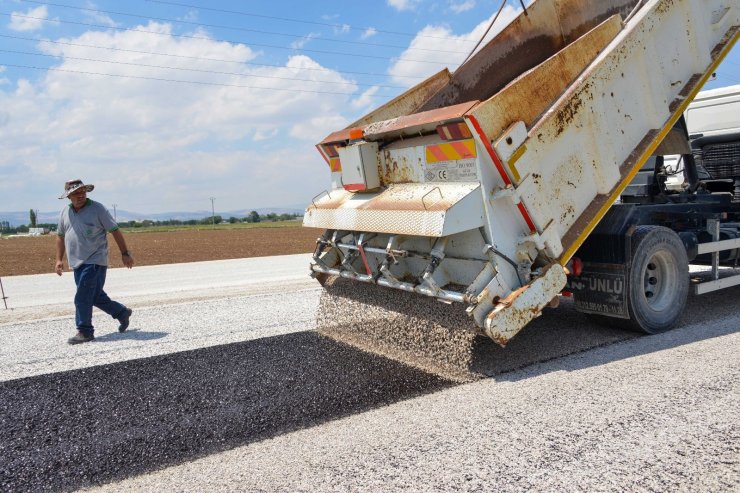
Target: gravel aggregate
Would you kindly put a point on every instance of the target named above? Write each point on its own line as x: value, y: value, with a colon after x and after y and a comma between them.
x: 34, y: 348
x: 238, y: 394
x: 653, y: 414
x: 72, y: 429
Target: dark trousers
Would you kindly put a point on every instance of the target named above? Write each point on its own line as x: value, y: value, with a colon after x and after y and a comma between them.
x: 90, y: 279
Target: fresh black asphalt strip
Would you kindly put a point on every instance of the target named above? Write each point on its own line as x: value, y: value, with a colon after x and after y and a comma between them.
x: 69, y: 430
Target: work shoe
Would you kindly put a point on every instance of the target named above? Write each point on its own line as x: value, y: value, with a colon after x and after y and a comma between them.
x: 124, y: 319
x: 80, y: 338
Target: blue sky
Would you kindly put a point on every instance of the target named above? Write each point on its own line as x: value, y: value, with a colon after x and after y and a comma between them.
x: 165, y: 103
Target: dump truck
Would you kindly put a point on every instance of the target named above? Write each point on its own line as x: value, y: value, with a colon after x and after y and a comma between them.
x: 537, y: 170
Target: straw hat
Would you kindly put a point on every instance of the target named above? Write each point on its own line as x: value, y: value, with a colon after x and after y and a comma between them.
x: 72, y: 186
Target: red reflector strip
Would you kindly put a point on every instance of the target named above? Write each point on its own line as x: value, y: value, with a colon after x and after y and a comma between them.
x: 463, y: 150
x: 436, y: 154
x: 500, y: 168
x: 454, y: 131
x: 496, y: 161
x: 321, y: 150
x: 526, y: 217
x: 331, y: 150
x: 355, y: 187
x: 453, y: 151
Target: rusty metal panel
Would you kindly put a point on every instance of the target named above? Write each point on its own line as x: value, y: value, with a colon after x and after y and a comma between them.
x: 577, y: 16
x: 418, y: 122
x: 588, y: 145
x: 403, y: 163
x: 338, y: 136
x: 533, y: 92
x: 408, y: 102
x: 531, y: 38
x: 675, y: 142
x: 510, y: 315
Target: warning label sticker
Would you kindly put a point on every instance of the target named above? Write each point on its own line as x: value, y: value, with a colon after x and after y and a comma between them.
x: 451, y: 171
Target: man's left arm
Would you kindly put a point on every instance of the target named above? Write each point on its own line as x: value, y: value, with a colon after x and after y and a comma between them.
x: 126, y: 257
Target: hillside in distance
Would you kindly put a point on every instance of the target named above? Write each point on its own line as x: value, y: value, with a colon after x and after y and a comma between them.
x: 18, y: 218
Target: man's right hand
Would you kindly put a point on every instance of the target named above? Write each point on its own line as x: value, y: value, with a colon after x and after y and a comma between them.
x: 59, y: 267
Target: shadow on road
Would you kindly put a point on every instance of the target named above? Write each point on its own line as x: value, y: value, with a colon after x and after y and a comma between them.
x: 64, y: 431
x: 564, y: 331
x: 131, y: 334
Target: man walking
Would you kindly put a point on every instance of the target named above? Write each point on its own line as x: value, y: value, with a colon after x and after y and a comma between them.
x: 82, y: 233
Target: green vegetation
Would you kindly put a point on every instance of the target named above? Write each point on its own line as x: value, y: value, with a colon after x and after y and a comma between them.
x: 152, y: 228
x: 6, y: 229
x: 253, y: 220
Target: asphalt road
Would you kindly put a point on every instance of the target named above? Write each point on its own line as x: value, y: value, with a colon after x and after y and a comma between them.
x: 221, y: 384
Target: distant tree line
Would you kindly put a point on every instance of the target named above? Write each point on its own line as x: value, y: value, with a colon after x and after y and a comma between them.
x: 7, y: 229
x: 252, y: 217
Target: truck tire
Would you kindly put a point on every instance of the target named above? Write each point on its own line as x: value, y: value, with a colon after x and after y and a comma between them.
x: 659, y: 279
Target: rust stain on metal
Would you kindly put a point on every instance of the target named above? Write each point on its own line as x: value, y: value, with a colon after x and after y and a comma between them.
x: 506, y: 302
x: 395, y: 200
x: 338, y: 136
x: 394, y: 171
x: 568, y: 112
x: 418, y: 119
x: 664, y: 6
x: 334, y: 200
x: 577, y: 18
x: 595, y: 206
x: 547, y: 27
x: 529, y: 95
x: 408, y: 102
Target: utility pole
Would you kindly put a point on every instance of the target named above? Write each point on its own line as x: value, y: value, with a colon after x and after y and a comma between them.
x: 115, y: 218
x: 213, y: 212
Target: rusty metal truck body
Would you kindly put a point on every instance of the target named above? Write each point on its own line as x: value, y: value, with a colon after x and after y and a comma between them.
x: 479, y: 187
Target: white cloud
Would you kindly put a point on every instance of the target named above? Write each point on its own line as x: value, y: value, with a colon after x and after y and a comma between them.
x: 98, y: 17
x: 366, y: 99
x: 190, y: 16
x: 403, y: 4
x: 448, y: 49
x: 464, y: 6
x: 301, y: 42
x: 342, y: 29
x: 33, y: 20
x: 152, y: 146
x: 369, y: 33
x: 265, y: 134
x: 314, y: 129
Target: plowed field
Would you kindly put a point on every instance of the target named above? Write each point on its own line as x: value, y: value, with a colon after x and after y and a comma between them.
x: 35, y: 255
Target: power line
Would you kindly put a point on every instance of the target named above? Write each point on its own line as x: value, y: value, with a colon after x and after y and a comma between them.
x: 303, y: 21
x: 205, y: 83
x: 263, y: 45
x: 188, y: 57
x: 201, y: 70
x: 490, y: 25
x: 220, y: 26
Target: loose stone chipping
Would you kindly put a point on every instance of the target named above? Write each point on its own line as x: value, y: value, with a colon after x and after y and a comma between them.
x: 416, y: 330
